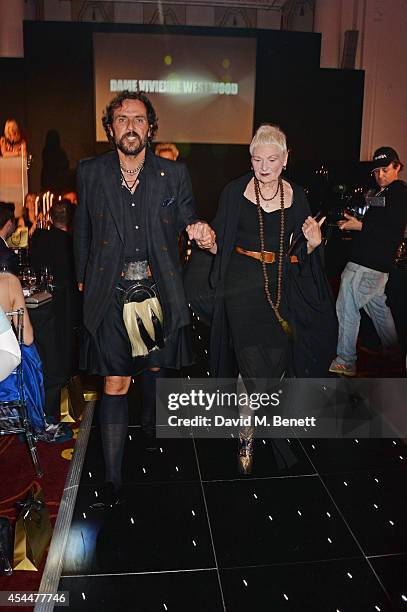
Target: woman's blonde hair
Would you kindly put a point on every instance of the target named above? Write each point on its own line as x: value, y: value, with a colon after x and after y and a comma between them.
x: 268, y: 134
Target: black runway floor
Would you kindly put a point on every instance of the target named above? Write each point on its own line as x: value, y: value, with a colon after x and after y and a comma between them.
x: 319, y: 525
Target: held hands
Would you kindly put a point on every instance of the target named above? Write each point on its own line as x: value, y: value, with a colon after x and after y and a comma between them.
x: 202, y: 233
x: 350, y: 223
x: 312, y: 232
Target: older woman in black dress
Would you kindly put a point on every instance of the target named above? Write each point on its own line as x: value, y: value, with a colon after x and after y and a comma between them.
x: 259, y: 216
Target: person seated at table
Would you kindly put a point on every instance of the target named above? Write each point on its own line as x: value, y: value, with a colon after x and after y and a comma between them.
x: 10, y: 354
x: 28, y: 218
x: 53, y: 248
x: 12, y: 144
x: 11, y: 299
x: 8, y: 259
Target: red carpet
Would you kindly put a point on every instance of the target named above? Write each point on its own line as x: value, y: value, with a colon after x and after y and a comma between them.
x: 17, y: 476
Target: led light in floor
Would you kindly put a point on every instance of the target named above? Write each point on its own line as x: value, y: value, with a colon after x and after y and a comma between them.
x: 270, y: 517
x: 254, y: 495
x: 345, y: 483
x: 245, y: 583
x: 391, y: 523
x: 132, y: 520
x: 349, y: 574
x: 404, y: 597
x: 193, y: 512
x: 193, y: 542
x: 83, y: 596
x: 375, y: 506
x: 328, y: 515
x: 285, y: 596
x: 329, y: 540
x: 299, y: 512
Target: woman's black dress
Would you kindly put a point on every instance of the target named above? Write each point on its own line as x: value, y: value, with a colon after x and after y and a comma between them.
x: 260, y: 343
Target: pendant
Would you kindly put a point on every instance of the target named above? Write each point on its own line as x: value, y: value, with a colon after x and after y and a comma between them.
x: 287, y: 329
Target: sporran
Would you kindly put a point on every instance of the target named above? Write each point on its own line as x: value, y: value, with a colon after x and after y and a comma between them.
x: 143, y: 318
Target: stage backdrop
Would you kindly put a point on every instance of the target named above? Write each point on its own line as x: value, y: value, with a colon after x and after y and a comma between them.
x: 320, y: 110
x: 200, y: 94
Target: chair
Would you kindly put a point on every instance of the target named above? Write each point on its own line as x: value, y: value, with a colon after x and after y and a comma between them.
x: 13, y: 414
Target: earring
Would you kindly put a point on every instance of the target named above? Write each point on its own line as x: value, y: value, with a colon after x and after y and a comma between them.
x: 284, y: 167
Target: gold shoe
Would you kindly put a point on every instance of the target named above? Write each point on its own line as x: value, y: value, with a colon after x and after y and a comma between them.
x: 245, y: 451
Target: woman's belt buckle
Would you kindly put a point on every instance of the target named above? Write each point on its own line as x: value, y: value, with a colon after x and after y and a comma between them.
x: 136, y: 270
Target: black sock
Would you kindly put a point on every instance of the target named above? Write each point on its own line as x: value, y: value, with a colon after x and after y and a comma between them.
x: 114, y: 419
x: 148, y: 388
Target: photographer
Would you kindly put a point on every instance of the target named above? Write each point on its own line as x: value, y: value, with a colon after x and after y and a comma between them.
x: 372, y: 255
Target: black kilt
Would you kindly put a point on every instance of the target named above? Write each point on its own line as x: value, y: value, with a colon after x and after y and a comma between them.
x: 108, y: 351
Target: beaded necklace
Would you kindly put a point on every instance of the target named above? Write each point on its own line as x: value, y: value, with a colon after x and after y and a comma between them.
x: 275, y: 306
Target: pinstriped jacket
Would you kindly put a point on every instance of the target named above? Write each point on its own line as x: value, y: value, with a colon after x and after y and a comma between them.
x: 99, y: 233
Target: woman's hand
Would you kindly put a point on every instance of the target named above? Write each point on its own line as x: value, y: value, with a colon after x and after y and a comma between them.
x: 312, y: 232
x: 202, y: 233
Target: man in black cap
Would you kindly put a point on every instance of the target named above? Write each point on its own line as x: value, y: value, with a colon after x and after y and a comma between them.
x: 373, y: 249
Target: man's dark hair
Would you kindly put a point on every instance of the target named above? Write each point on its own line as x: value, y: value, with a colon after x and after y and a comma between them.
x: 62, y: 213
x: 117, y: 102
x: 6, y: 213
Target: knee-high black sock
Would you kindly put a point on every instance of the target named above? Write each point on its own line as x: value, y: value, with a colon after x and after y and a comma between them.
x: 148, y: 381
x: 114, y: 419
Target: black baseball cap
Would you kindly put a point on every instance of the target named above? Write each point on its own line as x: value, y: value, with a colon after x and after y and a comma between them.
x: 384, y: 156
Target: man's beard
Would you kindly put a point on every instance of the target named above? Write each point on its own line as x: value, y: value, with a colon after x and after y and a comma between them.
x: 135, y: 148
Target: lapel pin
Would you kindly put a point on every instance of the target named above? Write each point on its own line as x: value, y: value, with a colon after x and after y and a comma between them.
x: 162, y: 173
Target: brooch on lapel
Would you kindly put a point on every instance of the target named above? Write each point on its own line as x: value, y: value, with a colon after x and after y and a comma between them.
x: 169, y: 201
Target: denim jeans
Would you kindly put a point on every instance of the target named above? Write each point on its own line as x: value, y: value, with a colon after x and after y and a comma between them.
x: 362, y: 288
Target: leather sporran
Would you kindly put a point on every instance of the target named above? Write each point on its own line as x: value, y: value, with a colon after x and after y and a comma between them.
x: 143, y: 318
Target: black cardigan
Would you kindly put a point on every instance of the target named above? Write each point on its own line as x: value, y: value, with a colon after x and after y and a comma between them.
x: 310, y: 301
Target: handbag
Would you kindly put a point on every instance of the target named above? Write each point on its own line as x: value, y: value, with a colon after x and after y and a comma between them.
x: 6, y: 547
x: 32, y: 532
x: 143, y: 318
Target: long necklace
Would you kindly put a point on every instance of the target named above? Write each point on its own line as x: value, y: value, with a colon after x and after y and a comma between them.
x: 275, y: 306
x: 273, y: 196
x: 135, y: 171
x: 128, y: 185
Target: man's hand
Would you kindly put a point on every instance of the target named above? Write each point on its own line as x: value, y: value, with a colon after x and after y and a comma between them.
x: 312, y: 232
x: 351, y: 223
x: 202, y: 233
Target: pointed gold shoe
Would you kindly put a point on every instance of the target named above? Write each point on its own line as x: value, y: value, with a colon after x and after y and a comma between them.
x: 245, y: 451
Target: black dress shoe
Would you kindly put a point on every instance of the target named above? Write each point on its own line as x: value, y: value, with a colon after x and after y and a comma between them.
x: 108, y: 497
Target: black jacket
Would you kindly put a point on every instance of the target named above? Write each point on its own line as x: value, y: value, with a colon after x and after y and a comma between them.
x: 8, y: 258
x: 99, y: 233
x: 311, y: 305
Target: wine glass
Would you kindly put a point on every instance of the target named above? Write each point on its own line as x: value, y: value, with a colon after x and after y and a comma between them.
x: 47, y: 278
x: 29, y: 278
